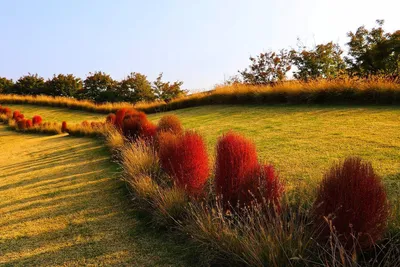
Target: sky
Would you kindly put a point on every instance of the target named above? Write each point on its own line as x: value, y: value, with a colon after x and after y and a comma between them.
x: 198, y: 42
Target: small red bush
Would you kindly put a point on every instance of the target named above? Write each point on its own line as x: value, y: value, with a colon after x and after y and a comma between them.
x: 21, y: 124
x: 120, y: 116
x: 6, y: 111
x: 353, y: 197
x: 111, y: 118
x: 28, y: 124
x: 170, y: 123
x: 85, y: 124
x: 185, y: 159
x: 136, y: 125
x: 16, y: 114
x: 36, y: 120
x: 64, y: 127
x: 236, y: 161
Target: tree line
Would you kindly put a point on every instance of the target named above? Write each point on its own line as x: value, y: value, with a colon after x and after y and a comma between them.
x: 370, y: 52
x: 98, y: 86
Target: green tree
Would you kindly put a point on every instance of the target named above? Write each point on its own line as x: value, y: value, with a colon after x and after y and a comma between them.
x: 323, y: 61
x: 267, y: 68
x: 166, y: 91
x: 6, y: 85
x: 373, y: 51
x: 63, y: 85
x: 30, y: 84
x: 135, y: 87
x: 96, y: 84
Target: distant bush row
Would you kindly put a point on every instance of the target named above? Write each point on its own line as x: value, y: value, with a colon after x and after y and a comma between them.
x: 97, y: 86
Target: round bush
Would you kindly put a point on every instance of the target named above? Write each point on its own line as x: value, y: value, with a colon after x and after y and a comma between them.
x: 352, y: 196
x: 236, y: 161
x: 185, y: 160
x: 111, y: 118
x: 64, y: 127
x: 170, y: 123
x: 36, y: 120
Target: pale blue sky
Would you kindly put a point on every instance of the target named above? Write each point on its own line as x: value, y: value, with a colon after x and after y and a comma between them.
x: 198, y: 42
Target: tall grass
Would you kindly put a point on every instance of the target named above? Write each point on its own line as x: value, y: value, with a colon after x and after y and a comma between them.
x: 346, y: 90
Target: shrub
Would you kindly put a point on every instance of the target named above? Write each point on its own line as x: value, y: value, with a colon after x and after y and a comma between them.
x: 85, y: 124
x: 21, y: 124
x: 16, y: 114
x: 353, y: 198
x: 111, y: 118
x: 64, y: 127
x: 262, y: 185
x: 136, y: 125
x: 36, y: 120
x: 120, y: 115
x: 236, y: 161
x: 6, y: 111
x: 185, y: 159
x: 170, y: 123
x: 28, y: 124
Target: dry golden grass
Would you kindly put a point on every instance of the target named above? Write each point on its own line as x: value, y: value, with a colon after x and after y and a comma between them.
x: 61, y: 204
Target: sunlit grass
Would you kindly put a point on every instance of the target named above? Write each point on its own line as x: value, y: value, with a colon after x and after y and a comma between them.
x: 61, y: 203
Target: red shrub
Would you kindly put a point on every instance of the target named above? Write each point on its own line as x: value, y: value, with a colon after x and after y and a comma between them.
x: 262, y: 185
x: 36, y: 120
x: 21, y: 124
x: 85, y: 124
x: 120, y: 116
x: 111, y: 118
x: 64, y: 127
x: 185, y: 159
x: 353, y: 197
x: 170, y: 123
x: 236, y: 161
x: 16, y: 114
x: 136, y: 125
x: 28, y: 124
x: 6, y: 111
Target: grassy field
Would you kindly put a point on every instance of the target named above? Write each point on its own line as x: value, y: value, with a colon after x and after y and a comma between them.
x: 61, y: 203
x: 303, y: 141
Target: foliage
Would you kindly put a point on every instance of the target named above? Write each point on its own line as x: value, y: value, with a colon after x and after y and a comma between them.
x: 5, y: 85
x: 30, y: 84
x: 166, y: 91
x: 36, y: 120
x: 323, y: 61
x: 64, y: 128
x: 97, y: 83
x: 353, y: 198
x: 185, y: 160
x: 63, y: 85
x: 236, y: 160
x: 135, y: 87
x: 374, y: 51
x: 267, y: 68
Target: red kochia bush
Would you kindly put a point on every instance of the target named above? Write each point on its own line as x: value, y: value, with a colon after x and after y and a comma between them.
x: 235, y: 163
x: 170, y: 123
x: 64, y: 128
x: 111, y: 118
x: 262, y: 185
x: 120, y: 116
x: 36, y: 120
x: 352, y: 196
x: 16, y: 113
x: 185, y: 159
x: 21, y: 124
x: 28, y: 124
x: 6, y: 111
x: 136, y: 125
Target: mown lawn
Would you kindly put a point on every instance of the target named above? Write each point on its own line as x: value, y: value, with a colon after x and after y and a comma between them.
x: 61, y: 204
x: 304, y: 141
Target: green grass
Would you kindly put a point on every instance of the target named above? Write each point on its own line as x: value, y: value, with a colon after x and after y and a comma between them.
x: 62, y: 204
x: 55, y: 114
x: 304, y: 141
